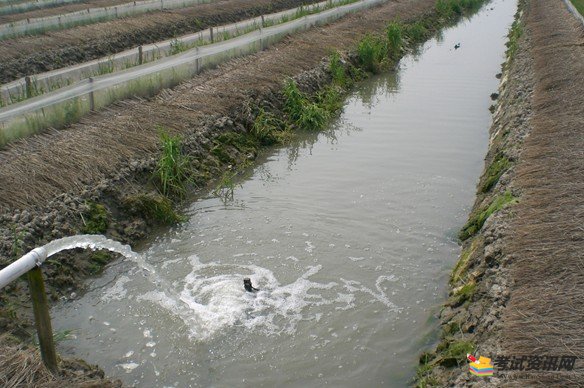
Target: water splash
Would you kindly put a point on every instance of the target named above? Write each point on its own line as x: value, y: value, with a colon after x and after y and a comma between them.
x: 97, y: 242
x: 89, y: 241
x: 212, y: 298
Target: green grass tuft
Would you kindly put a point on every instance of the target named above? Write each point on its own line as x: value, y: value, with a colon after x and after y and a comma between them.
x: 513, y: 39
x: 395, y: 32
x: 494, y: 172
x: 449, y: 9
x: 303, y: 113
x: 95, y: 219
x: 476, y: 222
x: 372, y: 52
x: 454, y: 352
x: 267, y: 129
x: 416, y: 32
x: 173, y: 168
x: 153, y: 207
x: 465, y: 294
x: 579, y: 4
x: 337, y: 70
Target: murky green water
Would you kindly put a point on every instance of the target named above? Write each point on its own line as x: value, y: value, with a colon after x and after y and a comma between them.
x: 350, y: 234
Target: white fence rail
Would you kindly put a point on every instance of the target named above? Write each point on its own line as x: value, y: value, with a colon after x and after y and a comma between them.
x: 70, y: 103
x: 90, y: 15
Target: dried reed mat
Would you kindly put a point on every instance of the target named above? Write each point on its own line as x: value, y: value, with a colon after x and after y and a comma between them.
x: 545, y: 315
x: 21, y: 365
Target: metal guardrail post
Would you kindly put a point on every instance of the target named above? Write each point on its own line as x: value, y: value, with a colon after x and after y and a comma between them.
x: 42, y: 319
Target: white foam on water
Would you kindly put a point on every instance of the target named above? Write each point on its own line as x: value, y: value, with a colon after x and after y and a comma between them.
x: 116, y: 292
x: 213, y: 299
x: 129, y: 366
x: 378, y: 295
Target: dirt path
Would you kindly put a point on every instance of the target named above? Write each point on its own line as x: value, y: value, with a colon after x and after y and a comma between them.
x: 36, y: 54
x: 545, y: 312
x: 33, y: 171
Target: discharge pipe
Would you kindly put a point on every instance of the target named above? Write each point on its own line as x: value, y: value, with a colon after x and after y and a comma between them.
x: 30, y: 264
x: 21, y: 266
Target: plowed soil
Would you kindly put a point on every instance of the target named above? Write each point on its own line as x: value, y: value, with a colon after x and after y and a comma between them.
x: 30, y: 55
x: 59, y: 10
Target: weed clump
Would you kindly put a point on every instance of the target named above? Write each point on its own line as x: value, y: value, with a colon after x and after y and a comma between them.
x: 177, y: 46
x: 95, y: 219
x: 395, y: 32
x: 464, y: 262
x: 449, y: 9
x: 453, y: 353
x: 173, y: 168
x: 268, y: 130
x: 337, y: 70
x: 225, y: 189
x: 371, y: 53
x: 465, y: 293
x: 153, y: 207
x: 513, y: 42
x: 303, y: 113
x: 416, y: 32
x: 98, y: 260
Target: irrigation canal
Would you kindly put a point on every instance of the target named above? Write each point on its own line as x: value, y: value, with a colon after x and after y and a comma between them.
x: 350, y: 234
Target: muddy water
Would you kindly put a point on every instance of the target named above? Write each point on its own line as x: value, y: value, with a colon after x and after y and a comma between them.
x: 349, y: 234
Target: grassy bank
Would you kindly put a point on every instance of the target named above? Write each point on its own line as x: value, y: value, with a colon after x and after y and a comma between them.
x: 579, y: 4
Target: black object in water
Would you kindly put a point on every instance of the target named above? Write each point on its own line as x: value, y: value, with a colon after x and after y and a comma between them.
x: 247, y: 285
